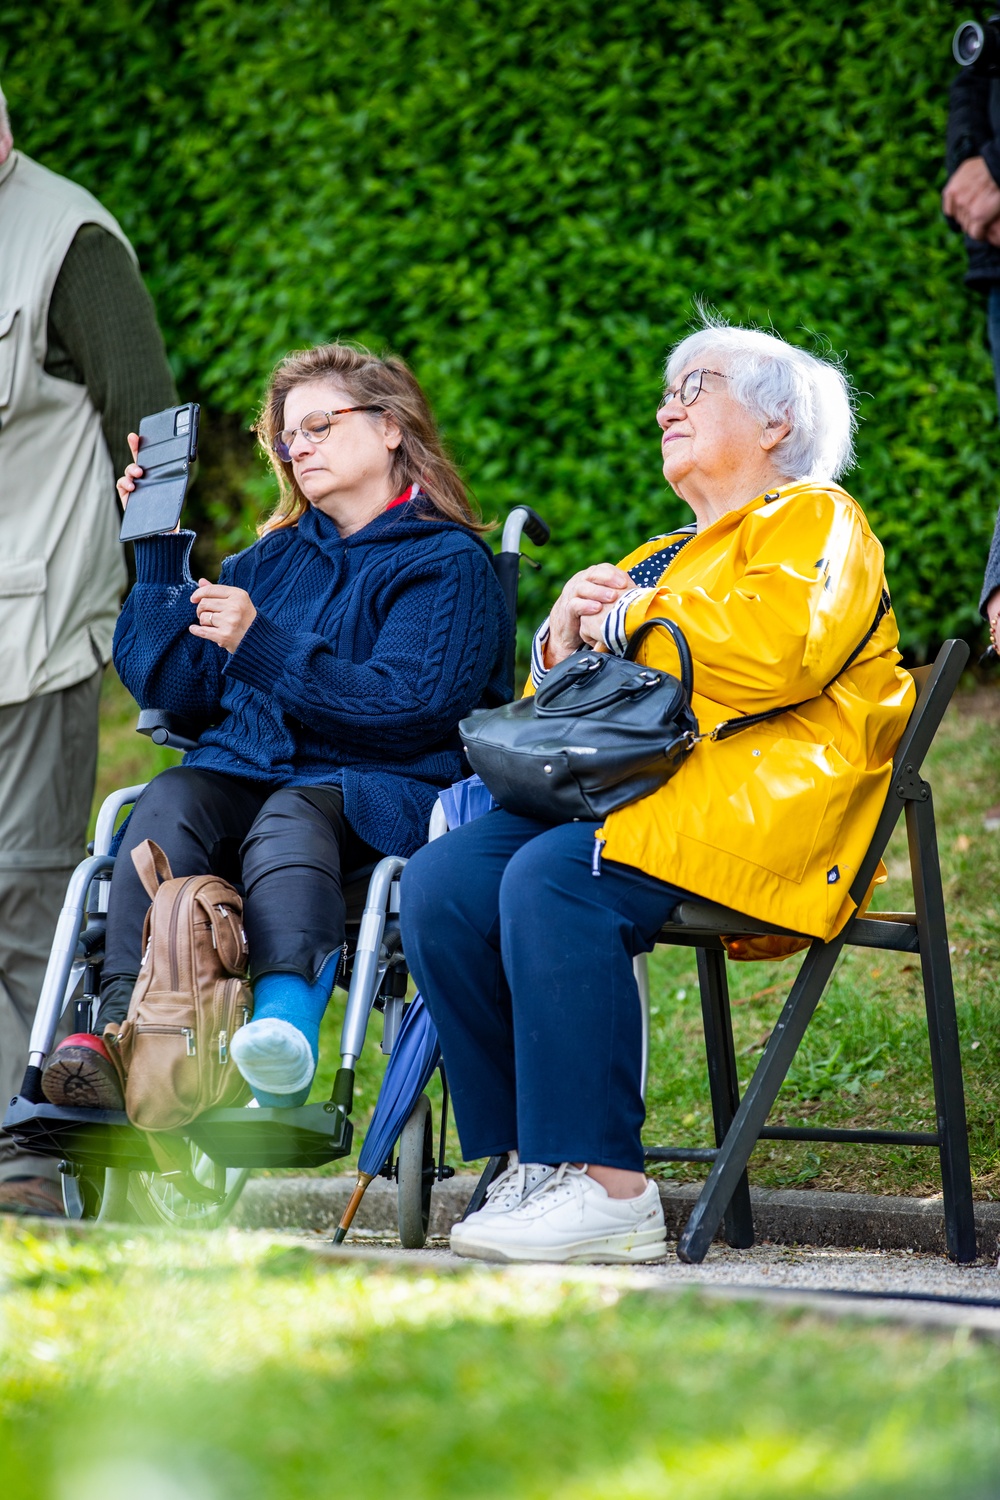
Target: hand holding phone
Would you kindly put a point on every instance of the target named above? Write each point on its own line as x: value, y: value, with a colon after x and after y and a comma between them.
x: 168, y: 445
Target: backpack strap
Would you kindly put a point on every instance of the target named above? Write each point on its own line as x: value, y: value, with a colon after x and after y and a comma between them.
x: 749, y: 721
x: 152, y: 866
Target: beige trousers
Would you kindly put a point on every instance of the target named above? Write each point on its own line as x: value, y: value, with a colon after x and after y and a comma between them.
x: 48, y: 762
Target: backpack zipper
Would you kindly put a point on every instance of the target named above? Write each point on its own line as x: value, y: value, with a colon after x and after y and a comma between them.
x: 172, y: 935
x: 148, y: 1028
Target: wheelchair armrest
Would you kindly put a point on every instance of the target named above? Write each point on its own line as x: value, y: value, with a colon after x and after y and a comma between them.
x: 170, y: 729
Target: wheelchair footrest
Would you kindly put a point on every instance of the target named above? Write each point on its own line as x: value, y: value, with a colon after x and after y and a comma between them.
x: 305, y: 1137
x: 91, y: 1137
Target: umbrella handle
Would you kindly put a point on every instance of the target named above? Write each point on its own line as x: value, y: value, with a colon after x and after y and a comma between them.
x: 353, y: 1203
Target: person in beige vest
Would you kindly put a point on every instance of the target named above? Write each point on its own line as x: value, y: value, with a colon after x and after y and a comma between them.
x: 81, y: 361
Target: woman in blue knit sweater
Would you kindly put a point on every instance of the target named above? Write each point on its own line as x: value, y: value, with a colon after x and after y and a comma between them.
x: 333, y: 660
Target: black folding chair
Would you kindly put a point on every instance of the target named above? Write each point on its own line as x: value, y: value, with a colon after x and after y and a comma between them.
x: 740, y: 1124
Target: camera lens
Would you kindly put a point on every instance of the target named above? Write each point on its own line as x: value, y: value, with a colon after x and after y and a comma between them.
x: 968, y: 43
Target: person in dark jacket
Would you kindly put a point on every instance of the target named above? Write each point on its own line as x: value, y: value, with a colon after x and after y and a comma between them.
x: 332, y: 661
x: 971, y: 199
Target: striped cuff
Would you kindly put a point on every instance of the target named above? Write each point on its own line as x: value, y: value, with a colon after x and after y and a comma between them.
x: 613, y: 629
x: 538, y: 644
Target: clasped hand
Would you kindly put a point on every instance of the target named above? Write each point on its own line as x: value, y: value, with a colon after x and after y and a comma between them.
x: 579, y: 613
x: 972, y: 198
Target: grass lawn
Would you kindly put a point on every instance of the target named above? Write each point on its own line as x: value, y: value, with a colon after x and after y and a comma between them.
x: 864, y: 1060
x: 151, y: 1367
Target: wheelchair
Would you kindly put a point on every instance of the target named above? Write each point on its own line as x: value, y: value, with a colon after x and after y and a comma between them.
x: 109, y: 1172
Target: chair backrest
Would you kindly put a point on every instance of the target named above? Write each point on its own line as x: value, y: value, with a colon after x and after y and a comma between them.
x: 935, y: 687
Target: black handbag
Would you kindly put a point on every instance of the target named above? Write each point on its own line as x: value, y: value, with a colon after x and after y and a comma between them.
x: 601, y: 732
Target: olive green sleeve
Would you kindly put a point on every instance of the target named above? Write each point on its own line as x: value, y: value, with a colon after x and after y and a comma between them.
x: 102, y: 333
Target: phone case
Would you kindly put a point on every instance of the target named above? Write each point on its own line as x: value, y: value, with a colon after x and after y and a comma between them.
x: 168, y: 445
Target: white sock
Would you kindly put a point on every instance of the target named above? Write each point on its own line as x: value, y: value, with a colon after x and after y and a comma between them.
x: 273, y: 1056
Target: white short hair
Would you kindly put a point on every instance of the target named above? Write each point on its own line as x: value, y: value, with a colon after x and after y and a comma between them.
x: 778, y: 382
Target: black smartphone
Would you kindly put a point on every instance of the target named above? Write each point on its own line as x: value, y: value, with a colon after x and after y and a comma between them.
x: 168, y: 446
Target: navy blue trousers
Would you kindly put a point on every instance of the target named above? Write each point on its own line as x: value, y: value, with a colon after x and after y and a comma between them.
x: 524, y: 958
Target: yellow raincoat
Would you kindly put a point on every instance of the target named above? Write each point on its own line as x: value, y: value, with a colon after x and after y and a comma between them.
x: 772, y: 598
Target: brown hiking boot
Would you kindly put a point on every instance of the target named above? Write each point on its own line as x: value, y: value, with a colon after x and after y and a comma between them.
x: 81, y: 1075
x: 31, y: 1195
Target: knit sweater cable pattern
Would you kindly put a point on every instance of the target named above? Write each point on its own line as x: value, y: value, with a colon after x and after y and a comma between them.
x: 364, y: 654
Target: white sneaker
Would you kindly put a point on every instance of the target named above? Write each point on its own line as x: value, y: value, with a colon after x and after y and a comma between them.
x: 505, y: 1192
x: 273, y: 1056
x: 568, y: 1218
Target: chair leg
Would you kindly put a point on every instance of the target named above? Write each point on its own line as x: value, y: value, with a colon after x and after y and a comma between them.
x: 492, y: 1170
x: 723, y: 1083
x: 742, y: 1135
x: 942, y: 1030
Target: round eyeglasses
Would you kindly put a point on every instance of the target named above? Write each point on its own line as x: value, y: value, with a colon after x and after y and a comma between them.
x: 689, y: 389
x: 314, y: 427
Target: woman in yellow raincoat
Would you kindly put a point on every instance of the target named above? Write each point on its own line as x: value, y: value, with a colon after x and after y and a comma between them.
x: 521, y: 935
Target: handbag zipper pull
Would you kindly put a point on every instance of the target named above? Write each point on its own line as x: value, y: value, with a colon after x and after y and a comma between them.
x: 223, y: 1047
x: 188, y: 1034
x: 595, y: 863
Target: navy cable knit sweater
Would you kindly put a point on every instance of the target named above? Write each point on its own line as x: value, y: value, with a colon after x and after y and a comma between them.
x: 365, y: 652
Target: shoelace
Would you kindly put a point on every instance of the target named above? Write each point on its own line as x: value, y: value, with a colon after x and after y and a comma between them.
x: 512, y: 1182
x: 566, y: 1177
x: 510, y: 1178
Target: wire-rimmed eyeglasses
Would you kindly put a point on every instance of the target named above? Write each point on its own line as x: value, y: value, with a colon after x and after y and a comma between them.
x: 315, y: 427
x: 689, y: 389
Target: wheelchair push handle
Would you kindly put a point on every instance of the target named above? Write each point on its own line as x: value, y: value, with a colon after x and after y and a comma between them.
x: 523, y: 519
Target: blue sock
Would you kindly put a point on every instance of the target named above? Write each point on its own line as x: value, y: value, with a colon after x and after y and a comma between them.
x: 289, y: 997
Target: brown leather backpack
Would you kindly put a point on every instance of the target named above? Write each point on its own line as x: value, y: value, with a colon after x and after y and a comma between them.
x: 191, y: 996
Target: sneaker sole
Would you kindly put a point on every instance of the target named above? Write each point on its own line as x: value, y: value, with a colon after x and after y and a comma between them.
x: 74, y: 1083
x: 617, y: 1249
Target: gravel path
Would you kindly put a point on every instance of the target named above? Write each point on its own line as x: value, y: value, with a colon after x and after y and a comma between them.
x: 877, y: 1283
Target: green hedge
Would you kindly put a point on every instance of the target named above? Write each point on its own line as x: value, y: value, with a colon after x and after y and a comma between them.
x: 523, y: 199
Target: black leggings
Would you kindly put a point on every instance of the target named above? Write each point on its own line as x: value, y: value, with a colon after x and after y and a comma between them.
x: 284, y: 848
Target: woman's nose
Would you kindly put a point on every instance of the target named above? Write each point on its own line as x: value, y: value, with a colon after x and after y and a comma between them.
x: 300, y: 446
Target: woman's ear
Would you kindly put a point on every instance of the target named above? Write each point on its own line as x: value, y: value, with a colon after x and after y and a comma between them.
x: 391, y: 431
x: 773, y: 434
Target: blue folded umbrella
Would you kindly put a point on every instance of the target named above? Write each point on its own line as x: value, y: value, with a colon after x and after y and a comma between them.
x: 466, y: 800
x: 411, y: 1065
x: 416, y: 1052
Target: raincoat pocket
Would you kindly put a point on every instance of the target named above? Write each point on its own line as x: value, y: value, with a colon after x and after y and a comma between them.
x: 768, y: 803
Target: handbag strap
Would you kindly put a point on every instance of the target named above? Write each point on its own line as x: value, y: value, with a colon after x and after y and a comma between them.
x: 680, y: 641
x: 578, y: 668
x: 747, y: 721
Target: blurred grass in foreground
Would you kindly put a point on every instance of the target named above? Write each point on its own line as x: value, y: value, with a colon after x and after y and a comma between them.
x: 228, y: 1367
x: 864, y: 1060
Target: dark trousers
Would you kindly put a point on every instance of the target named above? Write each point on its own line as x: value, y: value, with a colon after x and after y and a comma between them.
x: 285, y: 848
x: 524, y: 958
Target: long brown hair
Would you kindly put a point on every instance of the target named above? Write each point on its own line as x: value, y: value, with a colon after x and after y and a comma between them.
x: 370, y: 381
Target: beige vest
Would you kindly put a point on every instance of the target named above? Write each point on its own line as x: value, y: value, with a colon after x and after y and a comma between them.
x: 61, y: 567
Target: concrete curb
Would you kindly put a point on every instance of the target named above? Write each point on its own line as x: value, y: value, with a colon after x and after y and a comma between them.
x: 786, y: 1216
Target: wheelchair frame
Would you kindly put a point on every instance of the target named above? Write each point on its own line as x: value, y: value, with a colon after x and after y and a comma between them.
x: 225, y: 1144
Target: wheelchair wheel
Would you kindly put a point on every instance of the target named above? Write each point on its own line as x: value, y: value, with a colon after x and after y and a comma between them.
x: 202, y: 1197
x: 415, y: 1176
x: 98, y: 1195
